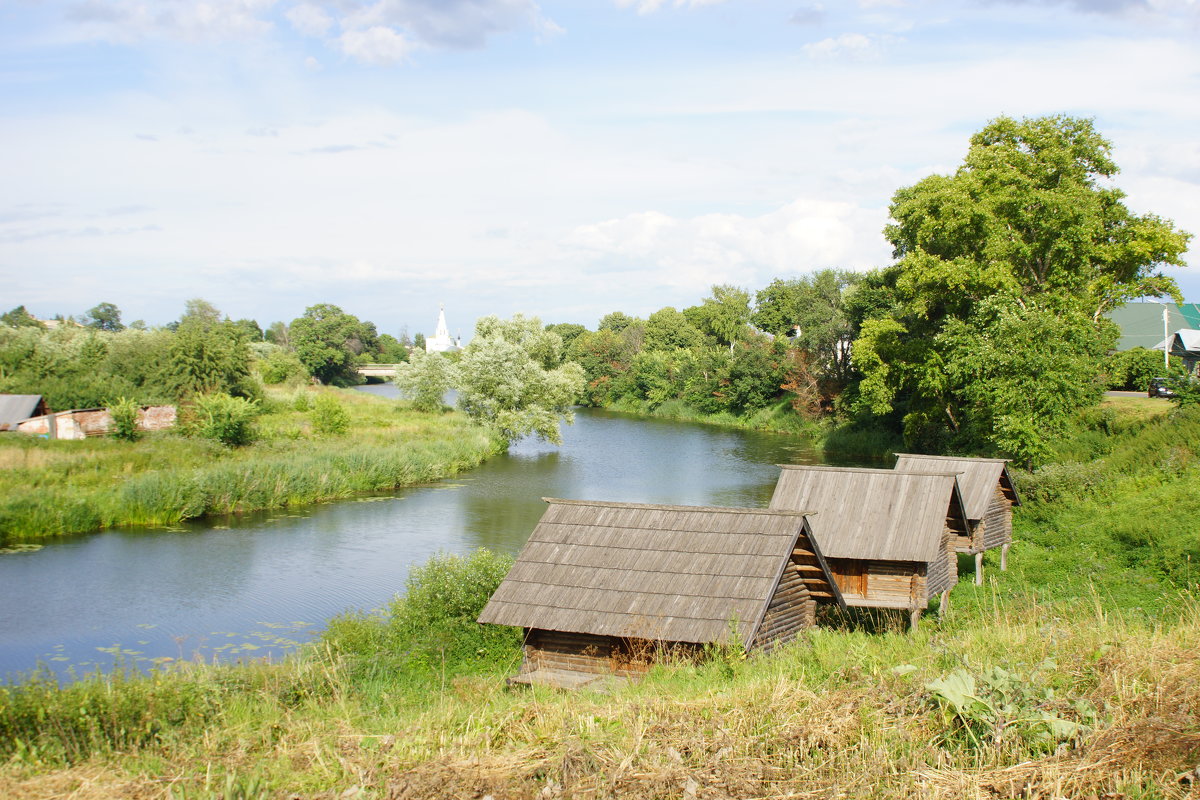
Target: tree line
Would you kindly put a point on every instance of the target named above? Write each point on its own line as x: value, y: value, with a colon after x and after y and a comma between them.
x: 986, y: 334
x: 94, y: 360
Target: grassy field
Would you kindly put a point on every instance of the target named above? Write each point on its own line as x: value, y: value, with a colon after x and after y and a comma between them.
x: 50, y: 488
x: 1072, y: 674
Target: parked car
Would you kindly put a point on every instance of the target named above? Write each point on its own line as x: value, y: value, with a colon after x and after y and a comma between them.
x: 1159, y: 388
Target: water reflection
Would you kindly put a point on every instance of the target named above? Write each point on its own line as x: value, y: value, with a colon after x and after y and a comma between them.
x: 255, y: 584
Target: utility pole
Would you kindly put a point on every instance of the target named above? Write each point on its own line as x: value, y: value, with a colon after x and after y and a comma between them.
x: 1166, y: 341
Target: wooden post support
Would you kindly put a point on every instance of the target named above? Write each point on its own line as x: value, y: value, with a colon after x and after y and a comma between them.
x: 1004, y: 557
x: 914, y: 616
x: 944, y: 605
x: 979, y: 568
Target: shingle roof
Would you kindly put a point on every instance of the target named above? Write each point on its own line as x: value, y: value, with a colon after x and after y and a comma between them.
x: 670, y: 573
x: 16, y: 408
x: 872, y: 513
x: 977, y: 477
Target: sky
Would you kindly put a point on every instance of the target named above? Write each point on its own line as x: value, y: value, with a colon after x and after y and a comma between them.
x: 558, y: 159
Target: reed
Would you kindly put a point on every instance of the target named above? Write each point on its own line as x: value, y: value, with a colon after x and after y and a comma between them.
x: 54, y: 488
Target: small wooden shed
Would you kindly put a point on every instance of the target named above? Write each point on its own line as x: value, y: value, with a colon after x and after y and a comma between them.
x: 989, y: 497
x: 888, y: 536
x: 603, y: 588
x: 16, y: 408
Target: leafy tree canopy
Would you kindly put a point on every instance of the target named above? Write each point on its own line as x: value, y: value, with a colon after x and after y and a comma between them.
x: 506, y: 379
x: 20, y: 318
x: 425, y: 379
x: 725, y: 315
x: 1029, y: 214
x: 813, y: 311
x: 328, y: 340
x: 1003, y: 272
x: 668, y: 329
x: 104, y: 317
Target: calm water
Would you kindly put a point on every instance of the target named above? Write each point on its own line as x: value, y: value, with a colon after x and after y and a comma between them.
x: 257, y: 584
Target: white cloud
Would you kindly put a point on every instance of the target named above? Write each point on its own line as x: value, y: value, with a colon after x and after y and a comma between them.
x: 463, y: 24
x: 131, y: 20
x: 851, y: 45
x: 810, y: 14
x: 650, y: 6
x: 378, y: 45
x: 309, y: 19
x: 375, y: 31
x: 694, y: 253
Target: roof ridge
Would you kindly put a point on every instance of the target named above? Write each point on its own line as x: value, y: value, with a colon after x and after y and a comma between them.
x: 661, y: 507
x: 954, y: 458
x: 867, y: 470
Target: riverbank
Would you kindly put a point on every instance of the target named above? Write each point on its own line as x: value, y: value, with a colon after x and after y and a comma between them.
x: 51, y: 488
x: 825, y: 433
x: 1071, y: 674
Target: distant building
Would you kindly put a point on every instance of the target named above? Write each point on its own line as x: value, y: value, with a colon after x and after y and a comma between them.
x: 441, y: 341
x: 1142, y: 323
x: 16, y: 408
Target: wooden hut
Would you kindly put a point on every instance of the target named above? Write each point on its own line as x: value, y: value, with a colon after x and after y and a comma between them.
x: 603, y: 588
x: 887, y: 535
x: 16, y: 408
x: 988, y: 496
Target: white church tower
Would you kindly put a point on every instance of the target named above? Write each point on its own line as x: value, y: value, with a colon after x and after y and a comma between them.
x: 441, y: 342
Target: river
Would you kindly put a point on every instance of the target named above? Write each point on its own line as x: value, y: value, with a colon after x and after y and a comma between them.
x: 258, y: 585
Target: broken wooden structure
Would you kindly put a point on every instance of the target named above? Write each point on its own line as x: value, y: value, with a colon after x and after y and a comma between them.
x: 988, y: 496
x: 606, y: 589
x: 888, y: 536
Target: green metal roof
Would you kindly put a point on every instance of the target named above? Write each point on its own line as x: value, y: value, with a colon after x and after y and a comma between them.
x: 1142, y: 323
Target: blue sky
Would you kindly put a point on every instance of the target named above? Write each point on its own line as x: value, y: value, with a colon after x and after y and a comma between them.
x: 561, y: 159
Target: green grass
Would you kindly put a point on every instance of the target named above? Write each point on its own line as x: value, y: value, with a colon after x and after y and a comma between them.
x: 1080, y: 659
x: 50, y: 488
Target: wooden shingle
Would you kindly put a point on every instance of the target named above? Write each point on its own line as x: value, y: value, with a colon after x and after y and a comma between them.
x: 683, y: 574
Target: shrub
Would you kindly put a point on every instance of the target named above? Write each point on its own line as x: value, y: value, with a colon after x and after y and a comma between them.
x: 329, y: 418
x: 225, y: 419
x: 124, y: 415
x: 432, y: 627
x: 1132, y: 369
x: 281, y: 366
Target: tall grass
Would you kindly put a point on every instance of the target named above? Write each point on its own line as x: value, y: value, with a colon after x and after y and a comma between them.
x: 54, y: 488
x: 840, y: 712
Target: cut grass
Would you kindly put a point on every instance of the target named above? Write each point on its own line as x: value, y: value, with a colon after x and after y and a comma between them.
x: 51, y: 488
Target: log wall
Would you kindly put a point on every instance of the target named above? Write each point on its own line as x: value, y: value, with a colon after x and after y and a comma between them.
x: 943, y: 572
x: 997, y: 521
x: 598, y: 655
x: 791, y: 610
x: 894, y: 580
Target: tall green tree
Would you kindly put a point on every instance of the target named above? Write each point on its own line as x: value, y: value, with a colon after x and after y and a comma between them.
x: 507, y: 379
x: 1027, y: 230
x: 105, y: 317
x: 668, y: 329
x: 425, y: 379
x: 328, y: 340
x: 207, y: 356
x: 725, y: 315
x: 812, y: 311
x: 19, y: 318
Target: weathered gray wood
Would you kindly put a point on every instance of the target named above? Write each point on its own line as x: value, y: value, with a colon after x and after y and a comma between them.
x: 873, y: 513
x: 609, y: 587
x: 979, y: 569
x: 1004, y: 556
